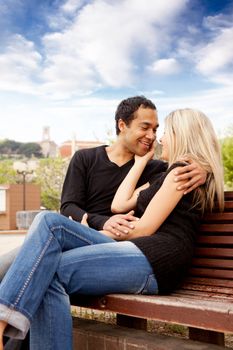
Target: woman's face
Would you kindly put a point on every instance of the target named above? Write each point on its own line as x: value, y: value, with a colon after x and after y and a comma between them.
x: 163, y: 141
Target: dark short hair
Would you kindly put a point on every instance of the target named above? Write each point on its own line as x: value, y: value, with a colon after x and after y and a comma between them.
x: 127, y: 108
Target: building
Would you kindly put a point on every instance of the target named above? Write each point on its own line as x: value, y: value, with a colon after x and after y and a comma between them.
x: 15, y: 198
x: 68, y: 148
x: 49, y: 148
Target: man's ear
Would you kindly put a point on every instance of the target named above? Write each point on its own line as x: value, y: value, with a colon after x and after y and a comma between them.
x: 121, y: 125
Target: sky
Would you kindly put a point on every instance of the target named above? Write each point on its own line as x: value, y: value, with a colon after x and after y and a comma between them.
x: 66, y: 64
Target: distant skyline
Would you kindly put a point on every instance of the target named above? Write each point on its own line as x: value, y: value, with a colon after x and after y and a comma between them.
x: 66, y: 64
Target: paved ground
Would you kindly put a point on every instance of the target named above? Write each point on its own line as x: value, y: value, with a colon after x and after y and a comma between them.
x: 10, y: 241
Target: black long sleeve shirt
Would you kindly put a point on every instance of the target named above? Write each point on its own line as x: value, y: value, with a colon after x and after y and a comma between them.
x: 91, y: 182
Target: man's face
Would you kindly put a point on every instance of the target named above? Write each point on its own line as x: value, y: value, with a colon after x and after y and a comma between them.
x: 140, y: 134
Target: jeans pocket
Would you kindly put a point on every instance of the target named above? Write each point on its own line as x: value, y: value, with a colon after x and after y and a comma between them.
x: 150, y: 286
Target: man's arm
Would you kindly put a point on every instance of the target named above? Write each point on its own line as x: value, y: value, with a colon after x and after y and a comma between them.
x: 74, y: 193
x: 74, y: 199
x: 193, y: 172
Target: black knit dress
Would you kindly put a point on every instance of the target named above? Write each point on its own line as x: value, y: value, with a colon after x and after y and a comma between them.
x: 170, y: 249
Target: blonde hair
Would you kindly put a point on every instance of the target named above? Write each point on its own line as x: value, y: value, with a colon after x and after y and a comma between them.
x: 190, y: 133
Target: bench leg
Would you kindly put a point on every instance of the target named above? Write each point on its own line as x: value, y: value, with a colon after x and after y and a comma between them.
x: 206, y: 336
x: 131, y: 322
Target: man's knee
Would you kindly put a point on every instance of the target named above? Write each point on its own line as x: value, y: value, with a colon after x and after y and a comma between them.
x: 6, y: 260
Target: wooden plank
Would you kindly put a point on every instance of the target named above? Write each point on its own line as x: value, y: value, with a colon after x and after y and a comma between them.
x: 209, y: 282
x: 202, y: 291
x: 213, y: 296
x: 214, y: 263
x: 228, y: 205
x: 212, y: 273
x: 228, y: 195
x: 219, y: 240
x: 216, y: 228
x: 204, y: 314
x: 214, y: 252
x: 218, y: 217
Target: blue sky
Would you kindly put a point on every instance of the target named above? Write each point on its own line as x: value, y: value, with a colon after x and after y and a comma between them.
x: 66, y: 64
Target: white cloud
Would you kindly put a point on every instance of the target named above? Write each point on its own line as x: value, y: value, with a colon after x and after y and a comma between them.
x: 218, y: 54
x: 92, y: 45
x: 71, y: 6
x: 217, y: 104
x: 218, y: 22
x: 100, y: 46
x: 18, y: 65
x: 166, y: 66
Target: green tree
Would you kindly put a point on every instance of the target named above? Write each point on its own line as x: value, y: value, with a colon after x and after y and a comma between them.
x: 9, y: 147
x: 227, y: 154
x: 50, y: 175
x: 30, y: 149
x: 27, y: 149
x: 7, y: 174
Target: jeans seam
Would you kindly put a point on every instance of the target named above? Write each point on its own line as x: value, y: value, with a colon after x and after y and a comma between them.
x: 75, y: 234
x: 148, y: 279
x: 32, y: 272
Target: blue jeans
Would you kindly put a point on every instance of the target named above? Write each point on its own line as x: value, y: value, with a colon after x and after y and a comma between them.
x: 62, y: 257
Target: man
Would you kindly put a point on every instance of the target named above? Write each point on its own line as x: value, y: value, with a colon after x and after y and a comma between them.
x: 94, y: 175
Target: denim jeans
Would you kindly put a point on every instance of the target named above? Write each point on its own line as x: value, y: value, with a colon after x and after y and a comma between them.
x: 6, y: 260
x: 61, y: 257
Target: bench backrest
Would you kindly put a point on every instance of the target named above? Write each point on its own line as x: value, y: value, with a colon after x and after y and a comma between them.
x: 212, y: 268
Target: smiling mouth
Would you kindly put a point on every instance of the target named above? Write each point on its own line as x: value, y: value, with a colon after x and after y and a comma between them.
x: 146, y: 144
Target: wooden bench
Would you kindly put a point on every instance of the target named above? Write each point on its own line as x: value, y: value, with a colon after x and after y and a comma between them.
x: 204, y: 303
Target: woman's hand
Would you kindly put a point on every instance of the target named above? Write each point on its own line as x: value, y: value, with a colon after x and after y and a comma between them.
x: 116, y: 236
x: 84, y: 220
x: 148, y: 156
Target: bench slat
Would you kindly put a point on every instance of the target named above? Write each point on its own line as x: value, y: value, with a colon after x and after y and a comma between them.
x: 216, y: 228
x: 200, y: 290
x: 201, y: 313
x: 212, y: 273
x: 213, y: 240
x: 214, y: 252
x: 228, y: 205
x: 209, y: 282
x: 214, y: 263
x: 218, y: 217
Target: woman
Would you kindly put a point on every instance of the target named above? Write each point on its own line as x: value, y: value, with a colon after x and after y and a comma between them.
x: 61, y: 257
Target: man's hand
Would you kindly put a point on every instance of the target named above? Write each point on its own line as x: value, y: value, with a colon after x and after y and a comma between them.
x: 194, y: 172
x: 120, y: 224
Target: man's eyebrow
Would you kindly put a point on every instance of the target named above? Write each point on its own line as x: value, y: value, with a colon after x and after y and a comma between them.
x: 145, y: 123
x: 149, y: 124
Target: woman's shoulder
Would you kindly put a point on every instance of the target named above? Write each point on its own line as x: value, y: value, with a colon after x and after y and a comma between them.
x: 176, y: 165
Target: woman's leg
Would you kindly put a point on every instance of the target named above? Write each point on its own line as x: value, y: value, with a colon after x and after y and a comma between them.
x: 28, y: 279
x: 118, y: 267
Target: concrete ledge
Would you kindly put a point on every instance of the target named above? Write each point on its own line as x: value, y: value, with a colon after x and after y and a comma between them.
x: 13, y: 232
x: 93, y: 335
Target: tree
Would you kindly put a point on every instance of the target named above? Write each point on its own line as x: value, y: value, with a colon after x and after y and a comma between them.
x: 30, y: 149
x: 50, y: 175
x: 9, y: 146
x: 7, y: 174
x: 227, y: 154
x: 12, y: 148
